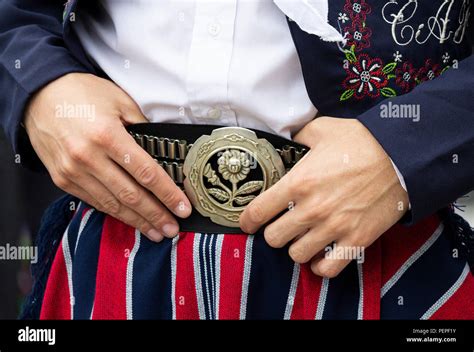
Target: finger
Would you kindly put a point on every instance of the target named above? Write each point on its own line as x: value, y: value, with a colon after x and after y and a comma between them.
x: 135, y: 197
x: 334, y: 261
x: 266, y: 206
x: 90, y: 190
x: 287, y: 227
x: 129, y: 155
x: 131, y: 113
x: 310, y: 244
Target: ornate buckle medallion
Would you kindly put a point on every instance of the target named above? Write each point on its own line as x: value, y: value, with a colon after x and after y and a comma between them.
x: 227, y: 170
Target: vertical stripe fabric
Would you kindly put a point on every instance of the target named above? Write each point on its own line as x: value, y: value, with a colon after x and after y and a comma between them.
x: 104, y: 269
x: 116, y: 244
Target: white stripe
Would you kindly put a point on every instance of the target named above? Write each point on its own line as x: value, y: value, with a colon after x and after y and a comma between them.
x: 211, y: 271
x: 83, y: 224
x: 413, y: 258
x: 220, y: 240
x: 246, y: 277
x: 68, y: 262
x: 197, y: 276
x: 174, y: 261
x: 322, y: 298
x: 447, y: 295
x: 129, y: 278
x: 360, y: 311
x: 292, y: 293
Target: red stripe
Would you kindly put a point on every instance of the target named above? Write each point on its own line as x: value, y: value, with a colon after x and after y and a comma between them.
x: 461, y: 303
x: 116, y: 245
x: 400, y: 242
x: 372, y: 281
x: 185, y: 289
x: 56, y: 301
x: 307, y: 294
x: 232, y: 273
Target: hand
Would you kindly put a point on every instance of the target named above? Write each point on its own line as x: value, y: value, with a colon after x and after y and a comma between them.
x: 76, y: 126
x: 345, y: 190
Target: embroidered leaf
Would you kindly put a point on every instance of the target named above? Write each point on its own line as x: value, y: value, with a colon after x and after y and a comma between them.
x: 444, y: 69
x: 243, y: 200
x: 390, y: 76
x: 351, y: 57
x: 417, y: 80
x: 249, y: 187
x: 350, y: 54
x: 389, y: 67
x: 388, y: 92
x: 347, y: 94
x: 219, y: 194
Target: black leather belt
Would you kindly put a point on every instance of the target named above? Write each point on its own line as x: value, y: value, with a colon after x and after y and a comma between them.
x: 220, y: 168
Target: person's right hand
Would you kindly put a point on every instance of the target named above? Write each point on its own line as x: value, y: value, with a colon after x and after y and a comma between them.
x: 95, y: 159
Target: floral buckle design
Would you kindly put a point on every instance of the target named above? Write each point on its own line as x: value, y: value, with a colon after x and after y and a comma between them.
x: 227, y: 170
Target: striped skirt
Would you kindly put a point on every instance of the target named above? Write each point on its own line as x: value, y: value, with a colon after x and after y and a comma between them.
x: 104, y: 269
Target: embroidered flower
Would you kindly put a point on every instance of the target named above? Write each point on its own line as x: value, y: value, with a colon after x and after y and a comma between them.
x: 234, y: 165
x: 446, y: 58
x: 343, y: 17
x: 406, y: 76
x: 358, y: 35
x: 365, y: 77
x: 397, y: 56
x: 429, y: 71
x: 357, y: 9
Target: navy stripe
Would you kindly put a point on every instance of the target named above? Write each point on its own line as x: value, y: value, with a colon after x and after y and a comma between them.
x: 423, y: 283
x: 342, y: 300
x: 84, y: 269
x: 212, y: 273
x: 205, y: 255
x: 152, y: 280
x: 270, y: 281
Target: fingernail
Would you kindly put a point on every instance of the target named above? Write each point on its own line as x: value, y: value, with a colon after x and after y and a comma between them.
x: 182, y: 209
x: 170, y: 230
x: 155, y: 235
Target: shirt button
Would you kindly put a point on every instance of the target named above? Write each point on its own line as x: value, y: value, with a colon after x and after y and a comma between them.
x: 214, y: 29
x: 214, y: 113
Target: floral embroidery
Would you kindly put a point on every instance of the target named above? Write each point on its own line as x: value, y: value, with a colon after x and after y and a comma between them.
x: 445, y: 58
x: 429, y: 71
x: 369, y: 77
x: 406, y: 76
x: 357, y: 9
x: 397, y: 56
x: 343, y: 17
x: 365, y: 77
x: 358, y: 35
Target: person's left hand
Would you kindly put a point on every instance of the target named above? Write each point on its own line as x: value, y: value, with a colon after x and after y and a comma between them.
x: 345, y: 190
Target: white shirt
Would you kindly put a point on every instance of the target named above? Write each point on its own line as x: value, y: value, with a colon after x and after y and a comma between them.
x: 222, y: 62
x: 226, y: 62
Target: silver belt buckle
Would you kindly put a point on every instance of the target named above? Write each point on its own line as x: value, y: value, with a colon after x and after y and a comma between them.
x: 227, y: 170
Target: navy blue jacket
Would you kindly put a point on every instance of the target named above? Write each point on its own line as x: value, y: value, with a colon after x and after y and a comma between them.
x: 406, y: 72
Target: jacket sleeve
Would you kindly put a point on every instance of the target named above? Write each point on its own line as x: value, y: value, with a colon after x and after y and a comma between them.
x: 32, y: 54
x: 436, y: 154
